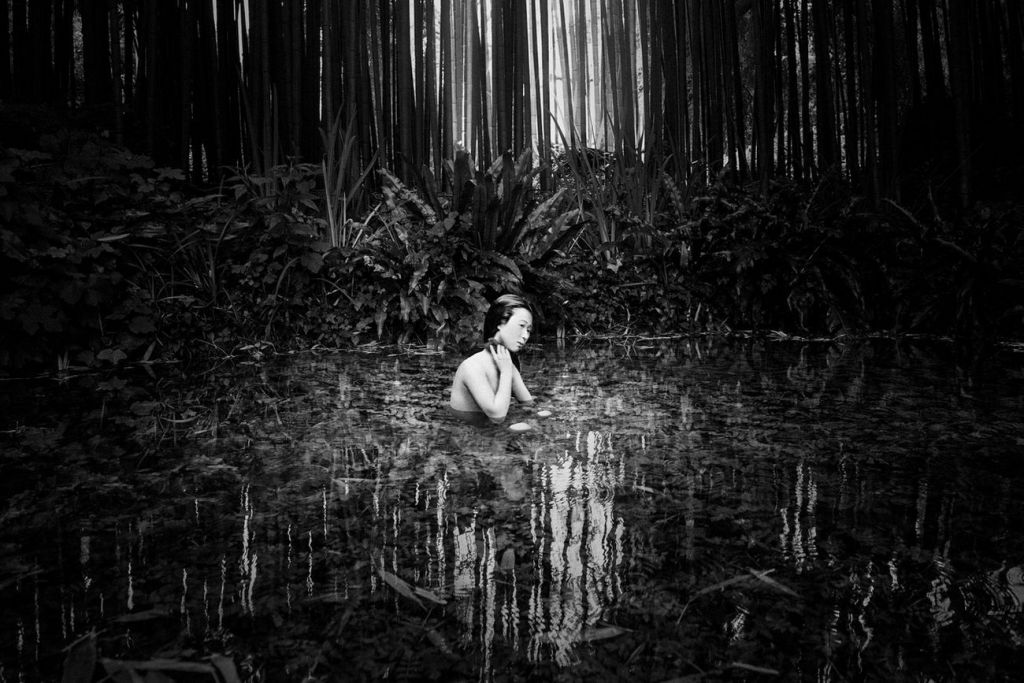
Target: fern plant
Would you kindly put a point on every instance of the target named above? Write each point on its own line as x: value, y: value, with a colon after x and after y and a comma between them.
x: 497, y: 210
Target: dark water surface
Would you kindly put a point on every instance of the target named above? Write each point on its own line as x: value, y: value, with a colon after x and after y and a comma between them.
x: 693, y: 511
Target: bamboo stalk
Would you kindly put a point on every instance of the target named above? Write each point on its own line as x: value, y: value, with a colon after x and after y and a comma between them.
x: 447, y: 105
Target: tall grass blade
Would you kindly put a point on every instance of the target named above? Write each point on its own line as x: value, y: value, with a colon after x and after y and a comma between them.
x: 342, y: 181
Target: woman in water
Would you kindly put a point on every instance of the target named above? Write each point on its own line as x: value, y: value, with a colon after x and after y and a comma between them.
x: 486, y: 381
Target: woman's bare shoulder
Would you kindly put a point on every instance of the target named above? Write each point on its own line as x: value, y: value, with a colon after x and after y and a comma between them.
x: 479, y: 358
x: 473, y: 362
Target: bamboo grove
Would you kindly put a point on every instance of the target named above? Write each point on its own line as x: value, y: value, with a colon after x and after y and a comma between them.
x: 876, y: 90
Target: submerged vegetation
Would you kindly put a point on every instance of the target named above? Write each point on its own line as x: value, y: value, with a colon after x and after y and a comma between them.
x: 107, y: 258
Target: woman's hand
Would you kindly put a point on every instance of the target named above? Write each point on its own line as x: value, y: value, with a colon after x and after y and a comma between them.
x: 502, y: 358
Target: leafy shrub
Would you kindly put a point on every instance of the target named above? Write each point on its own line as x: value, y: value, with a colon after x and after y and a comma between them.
x: 963, y: 276
x: 106, y: 259
x: 65, y: 245
x: 786, y: 261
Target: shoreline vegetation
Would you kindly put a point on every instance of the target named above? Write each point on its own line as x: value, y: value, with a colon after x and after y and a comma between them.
x: 108, y: 259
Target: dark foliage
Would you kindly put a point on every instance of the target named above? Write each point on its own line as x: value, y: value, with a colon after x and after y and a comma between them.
x: 108, y: 259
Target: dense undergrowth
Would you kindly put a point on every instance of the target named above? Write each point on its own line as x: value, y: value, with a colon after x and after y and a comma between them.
x: 108, y: 259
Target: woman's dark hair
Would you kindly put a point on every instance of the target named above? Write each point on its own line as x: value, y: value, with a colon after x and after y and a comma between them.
x: 498, y: 314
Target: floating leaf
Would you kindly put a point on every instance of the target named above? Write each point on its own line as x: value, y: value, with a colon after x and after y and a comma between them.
x: 722, y: 584
x: 508, y: 560
x: 755, y: 669
x: 399, y: 585
x: 429, y: 595
x: 148, y: 615
x: 603, y: 633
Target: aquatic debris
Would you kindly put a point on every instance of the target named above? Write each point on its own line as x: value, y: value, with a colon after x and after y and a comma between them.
x: 508, y: 560
x: 224, y: 666
x: 404, y: 588
x: 592, y: 634
x: 438, y: 641
x: 147, y: 615
x: 519, y: 427
x: 755, y: 669
x: 763, y: 576
x: 81, y: 660
x: 753, y: 574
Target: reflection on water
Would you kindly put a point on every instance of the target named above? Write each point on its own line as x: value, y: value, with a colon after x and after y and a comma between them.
x: 812, y: 511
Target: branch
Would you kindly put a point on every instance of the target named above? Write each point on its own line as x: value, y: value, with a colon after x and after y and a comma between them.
x: 925, y: 234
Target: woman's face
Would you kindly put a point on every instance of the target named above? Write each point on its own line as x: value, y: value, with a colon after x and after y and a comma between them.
x: 515, y: 332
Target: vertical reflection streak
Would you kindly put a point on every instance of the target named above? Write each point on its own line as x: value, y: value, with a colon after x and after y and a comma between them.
x: 310, y: 586
x: 812, y: 517
x: 223, y: 588
x: 922, y: 509
x: 36, y: 610
x: 252, y: 581
x: 487, y: 599
x: 536, y: 610
x: 247, y: 562
x: 513, y: 611
x: 862, y: 613
x: 183, y: 606
x: 442, y: 515
x: 557, y: 553
x: 464, y: 569
x: 691, y: 517
x: 206, y: 606
x: 799, y: 558
x: 324, y: 492
x: 131, y: 588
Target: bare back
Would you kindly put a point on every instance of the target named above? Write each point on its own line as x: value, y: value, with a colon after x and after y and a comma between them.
x: 477, y: 365
x: 480, y: 386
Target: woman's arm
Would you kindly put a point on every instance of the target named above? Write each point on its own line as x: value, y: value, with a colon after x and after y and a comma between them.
x: 519, y: 389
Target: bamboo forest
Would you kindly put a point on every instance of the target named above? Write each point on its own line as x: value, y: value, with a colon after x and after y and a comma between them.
x: 768, y: 256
